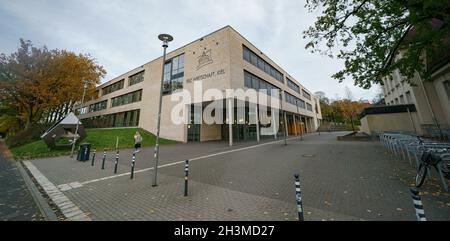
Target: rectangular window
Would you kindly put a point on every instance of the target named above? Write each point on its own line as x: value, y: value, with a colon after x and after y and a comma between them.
x: 132, y: 97
x: 402, y: 99
x: 309, y: 106
x: 408, y: 97
x: 306, y: 94
x: 301, y: 103
x: 81, y: 111
x: 98, y: 106
x: 294, y: 100
x: 173, y: 74
x: 136, y: 78
x: 113, y: 87
x: 246, y: 54
x: 121, y: 119
x: 254, y: 82
x: 261, y: 64
x: 247, y: 80
x: 293, y: 85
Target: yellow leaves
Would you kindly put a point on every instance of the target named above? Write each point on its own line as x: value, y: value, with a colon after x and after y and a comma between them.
x: 46, y: 79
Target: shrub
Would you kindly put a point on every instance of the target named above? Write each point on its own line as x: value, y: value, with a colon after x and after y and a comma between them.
x: 26, y: 136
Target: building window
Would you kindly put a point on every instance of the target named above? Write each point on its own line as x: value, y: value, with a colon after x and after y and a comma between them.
x: 261, y: 64
x: 121, y: 119
x: 408, y: 97
x: 293, y: 85
x: 396, y: 101
x: 294, y: 100
x: 447, y: 87
x: 98, y: 106
x: 113, y: 87
x: 134, y: 96
x: 173, y: 74
x: 81, y: 111
x: 301, y: 103
x: 254, y: 82
x: 309, y: 106
x: 306, y: 95
x: 402, y: 99
x: 136, y: 78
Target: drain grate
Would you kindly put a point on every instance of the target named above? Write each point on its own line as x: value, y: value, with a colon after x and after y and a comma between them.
x: 308, y: 155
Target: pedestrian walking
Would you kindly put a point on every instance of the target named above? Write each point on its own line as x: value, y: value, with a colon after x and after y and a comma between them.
x: 137, y: 141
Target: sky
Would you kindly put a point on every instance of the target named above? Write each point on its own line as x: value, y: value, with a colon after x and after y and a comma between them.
x: 122, y: 34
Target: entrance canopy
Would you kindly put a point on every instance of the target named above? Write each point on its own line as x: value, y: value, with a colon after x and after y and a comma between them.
x: 64, y: 129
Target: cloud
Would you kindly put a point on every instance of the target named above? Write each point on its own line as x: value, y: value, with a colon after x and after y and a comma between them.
x: 122, y: 34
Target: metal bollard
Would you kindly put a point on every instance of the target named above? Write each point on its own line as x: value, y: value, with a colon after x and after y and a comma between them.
x: 93, y: 158
x: 104, y: 158
x: 298, y: 197
x: 186, y: 174
x: 418, y: 206
x: 132, y: 165
x: 116, y: 162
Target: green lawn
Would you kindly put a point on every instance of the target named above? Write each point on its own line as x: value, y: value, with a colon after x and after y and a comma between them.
x: 99, y: 138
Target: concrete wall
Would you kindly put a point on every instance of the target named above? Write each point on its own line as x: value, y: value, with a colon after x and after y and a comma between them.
x: 390, y: 122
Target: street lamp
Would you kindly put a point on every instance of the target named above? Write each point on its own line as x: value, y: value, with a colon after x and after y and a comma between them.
x: 76, y: 128
x: 165, y: 38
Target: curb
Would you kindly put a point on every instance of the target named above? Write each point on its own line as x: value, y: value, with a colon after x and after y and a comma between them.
x: 42, y: 204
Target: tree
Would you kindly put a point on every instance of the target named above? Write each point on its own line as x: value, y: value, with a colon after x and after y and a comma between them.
x: 37, y: 82
x: 379, y: 97
x: 371, y: 35
x: 350, y: 109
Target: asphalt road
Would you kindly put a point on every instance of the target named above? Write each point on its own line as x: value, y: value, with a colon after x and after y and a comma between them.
x: 16, y: 202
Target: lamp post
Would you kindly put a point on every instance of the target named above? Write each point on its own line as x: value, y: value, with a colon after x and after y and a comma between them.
x: 78, y: 121
x: 165, y: 38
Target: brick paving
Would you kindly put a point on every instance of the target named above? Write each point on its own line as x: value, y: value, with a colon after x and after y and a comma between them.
x: 340, y: 181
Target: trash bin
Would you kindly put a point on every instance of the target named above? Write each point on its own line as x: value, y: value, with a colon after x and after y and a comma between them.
x: 84, y: 152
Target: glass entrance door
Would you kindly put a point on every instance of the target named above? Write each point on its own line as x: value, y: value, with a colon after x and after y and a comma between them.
x: 194, y: 123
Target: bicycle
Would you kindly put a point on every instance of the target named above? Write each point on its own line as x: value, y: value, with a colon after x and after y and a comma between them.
x: 439, y: 158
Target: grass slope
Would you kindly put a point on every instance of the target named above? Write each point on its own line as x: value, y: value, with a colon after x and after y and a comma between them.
x: 99, y: 138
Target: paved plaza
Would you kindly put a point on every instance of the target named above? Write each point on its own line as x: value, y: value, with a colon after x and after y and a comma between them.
x: 340, y: 180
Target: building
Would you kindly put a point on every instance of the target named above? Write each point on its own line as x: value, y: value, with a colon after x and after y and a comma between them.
x: 221, y: 60
x: 430, y: 97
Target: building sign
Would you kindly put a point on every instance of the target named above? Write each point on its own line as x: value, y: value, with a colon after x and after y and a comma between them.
x: 204, y: 59
x: 206, y: 76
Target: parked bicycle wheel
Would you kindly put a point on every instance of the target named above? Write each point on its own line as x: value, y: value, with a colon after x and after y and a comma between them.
x: 445, y: 167
x: 421, y: 174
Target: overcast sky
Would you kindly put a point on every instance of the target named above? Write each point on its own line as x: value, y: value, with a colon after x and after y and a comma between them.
x: 122, y: 35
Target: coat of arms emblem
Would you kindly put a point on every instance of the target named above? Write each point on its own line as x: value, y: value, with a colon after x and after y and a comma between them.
x: 204, y: 59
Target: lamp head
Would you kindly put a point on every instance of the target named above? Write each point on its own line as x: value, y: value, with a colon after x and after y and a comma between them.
x: 166, y: 38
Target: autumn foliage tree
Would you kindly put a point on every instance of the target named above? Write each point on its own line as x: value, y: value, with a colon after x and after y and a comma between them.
x: 39, y: 85
x: 367, y: 35
x: 344, y: 110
